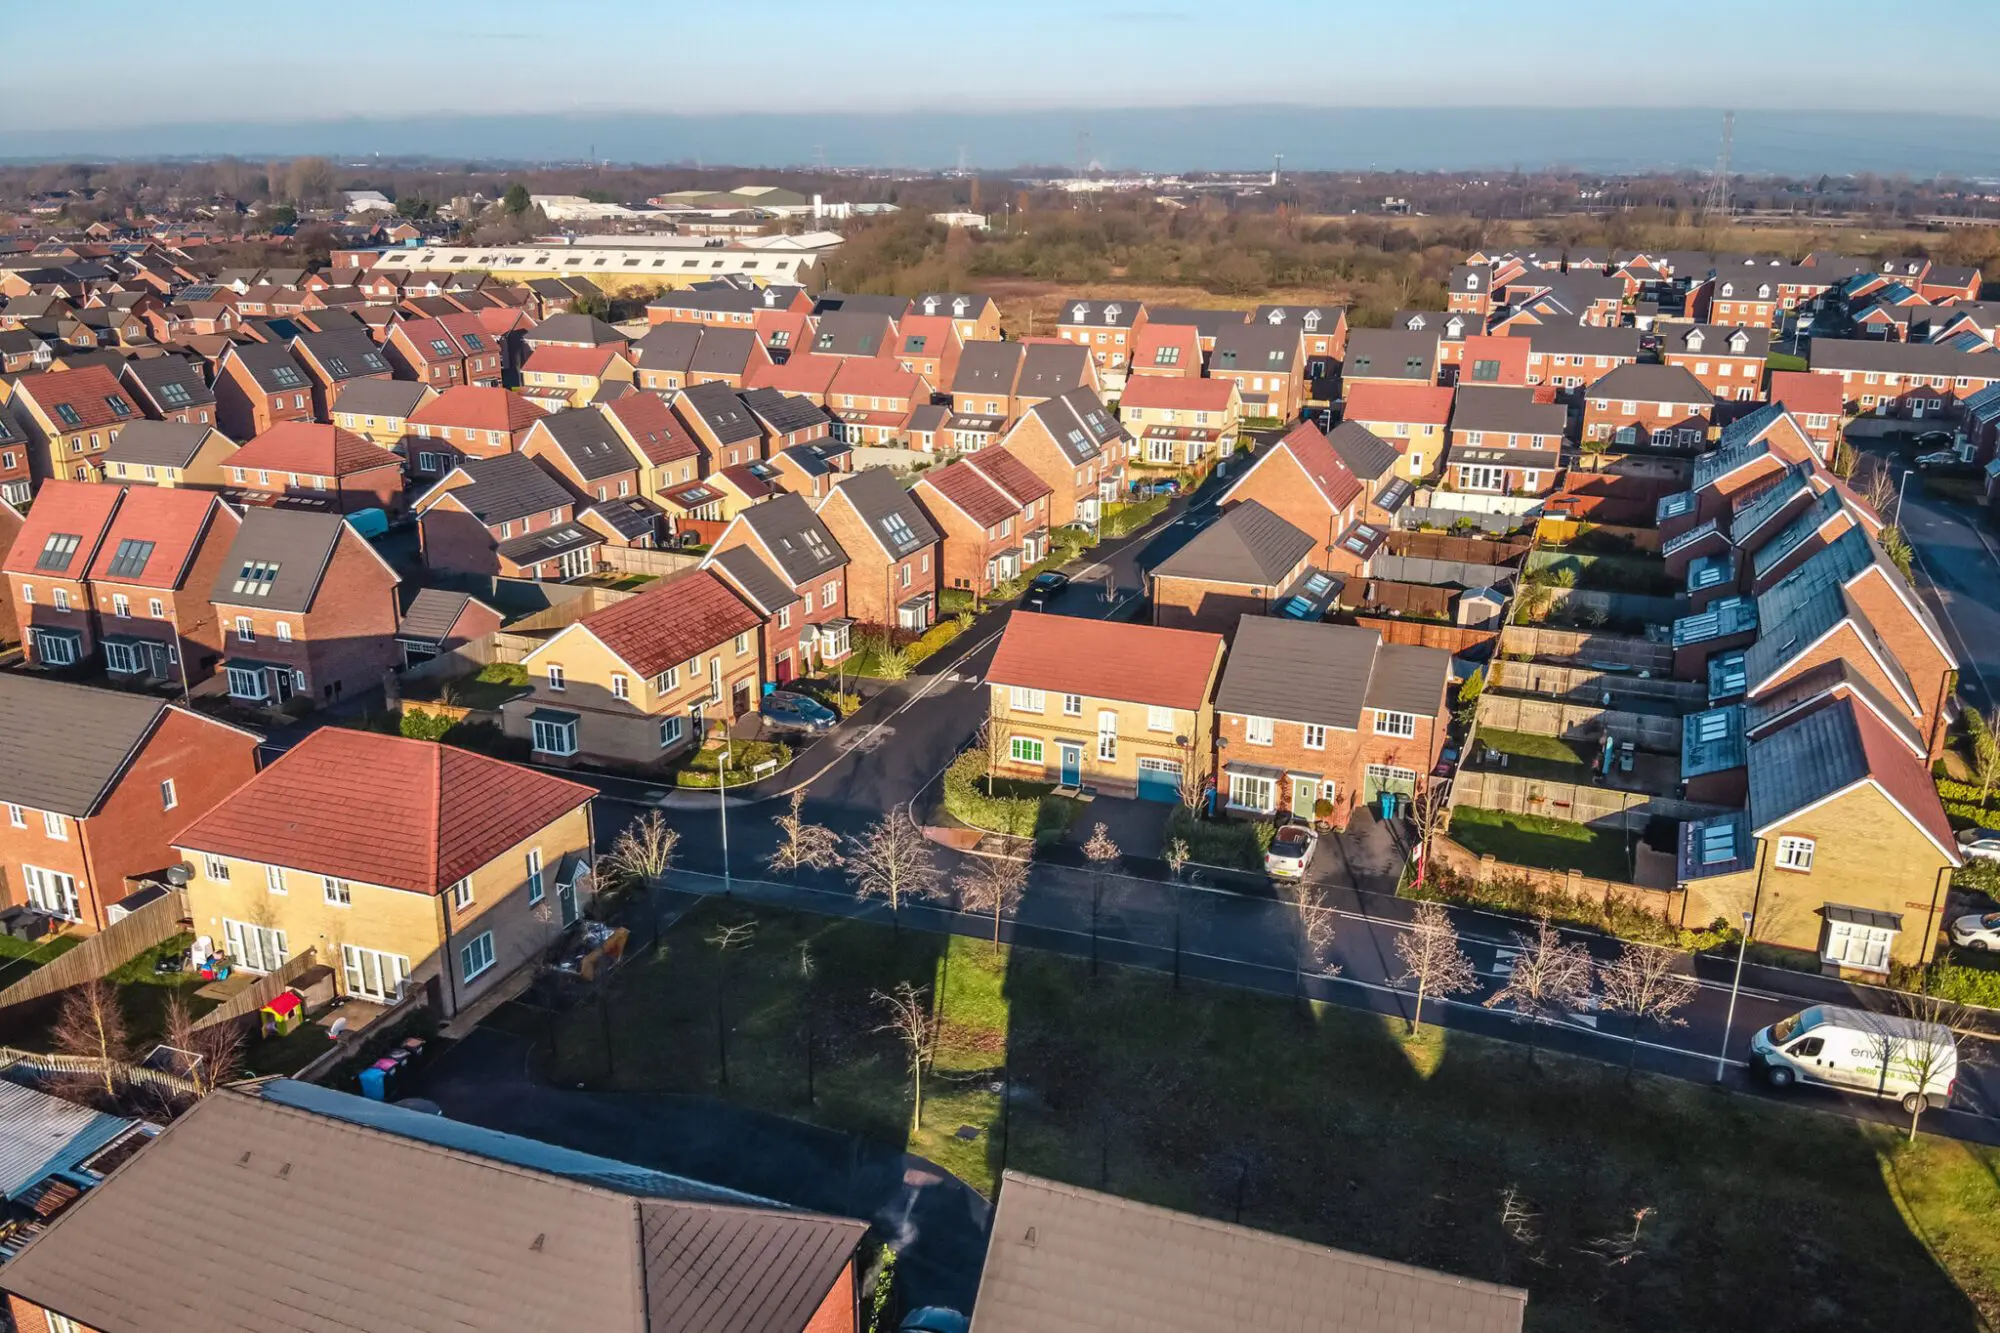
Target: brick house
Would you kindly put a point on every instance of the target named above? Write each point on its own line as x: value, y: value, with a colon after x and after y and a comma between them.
x: 1663, y: 406
x: 1816, y: 402
x: 257, y: 385
x: 1728, y: 361
x: 1914, y: 381
x: 504, y: 516
x: 1746, y: 298
x: 664, y: 354
x: 379, y: 411
x: 892, y: 548
x: 168, y: 453
x: 584, y: 451
x: 1310, y: 712
x: 1181, y: 420
x: 634, y: 684
x: 1267, y: 366
x: 306, y: 464
x: 1391, y: 356
x: 169, y: 388
x: 929, y: 345
x: 1121, y: 708
x: 1569, y: 356
x: 448, y: 350
x: 1248, y: 562
x: 17, y: 480
x: 871, y: 399
x: 1074, y: 444
x: 47, y: 568
x: 1303, y: 480
x: 70, y: 418
x: 96, y: 784
x: 668, y: 452
x: 335, y: 359
x: 1490, y: 359
x: 307, y: 609
x: 1505, y: 442
x: 1171, y: 351
x: 1416, y: 418
x: 467, y: 422
x: 1753, y: 451
x: 1374, y: 462
x: 994, y: 514
x: 561, y: 376
x: 976, y: 318
x: 150, y: 583
x: 722, y: 427
x: 727, y: 356
x: 802, y: 375
x: 1109, y: 329
x: 1322, y: 334
x: 782, y: 543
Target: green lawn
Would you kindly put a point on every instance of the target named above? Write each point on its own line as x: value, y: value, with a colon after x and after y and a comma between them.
x: 703, y: 767
x: 1548, y: 844
x: 20, y: 957
x: 1532, y: 756
x: 1785, y: 361
x: 1334, y: 1125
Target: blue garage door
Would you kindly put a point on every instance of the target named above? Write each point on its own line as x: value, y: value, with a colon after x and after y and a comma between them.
x: 1159, y: 780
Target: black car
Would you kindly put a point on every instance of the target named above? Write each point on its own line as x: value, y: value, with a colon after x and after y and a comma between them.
x: 1046, y: 587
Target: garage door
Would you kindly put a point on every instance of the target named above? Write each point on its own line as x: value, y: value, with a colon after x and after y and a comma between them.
x: 1382, y: 777
x: 1159, y: 780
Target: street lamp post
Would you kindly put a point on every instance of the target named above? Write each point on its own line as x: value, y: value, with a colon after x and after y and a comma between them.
x: 1729, y: 1020
x: 1899, y: 496
x: 721, y: 783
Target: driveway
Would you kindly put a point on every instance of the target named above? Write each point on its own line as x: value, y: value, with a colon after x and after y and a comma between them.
x: 935, y: 1221
x: 1138, y: 827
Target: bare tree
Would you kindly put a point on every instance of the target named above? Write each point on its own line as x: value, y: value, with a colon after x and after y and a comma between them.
x: 1918, y: 1038
x: 643, y: 853
x: 213, y: 1054
x: 911, y: 1019
x: 1550, y: 979
x: 1103, y: 854
x: 1645, y: 983
x: 726, y: 939
x: 1431, y: 958
x: 91, y: 1024
x: 1430, y: 815
x: 1177, y: 856
x: 992, y: 884
x: 893, y: 861
x: 806, y: 846
x: 1878, y: 489
x: 1313, y: 942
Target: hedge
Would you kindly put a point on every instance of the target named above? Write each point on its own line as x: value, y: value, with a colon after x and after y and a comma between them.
x: 1044, y: 816
x: 1962, y: 803
x: 932, y: 640
x: 702, y: 767
x: 1964, y: 985
x: 1516, y: 896
x: 1231, y: 844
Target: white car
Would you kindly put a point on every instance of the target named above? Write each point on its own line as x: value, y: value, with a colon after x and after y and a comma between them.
x: 1291, y: 852
x: 1979, y: 931
x: 1982, y: 843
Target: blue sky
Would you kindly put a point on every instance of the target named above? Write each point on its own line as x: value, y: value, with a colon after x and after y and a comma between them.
x: 253, y: 60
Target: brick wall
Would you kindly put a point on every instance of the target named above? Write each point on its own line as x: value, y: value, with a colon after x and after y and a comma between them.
x: 456, y: 542
x: 1194, y: 604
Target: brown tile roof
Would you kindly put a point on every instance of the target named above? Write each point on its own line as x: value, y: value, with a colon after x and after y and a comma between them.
x: 1106, y: 659
x: 967, y: 488
x: 309, y: 448
x: 92, y: 392
x: 1010, y: 474
x: 866, y: 377
x: 1061, y: 1259
x: 804, y: 372
x: 63, y: 510
x: 671, y: 623
x: 383, y: 810
x: 1182, y: 393
x: 560, y: 360
x: 477, y: 408
x: 1322, y: 464
x: 1419, y: 403
x: 1808, y: 392
x: 653, y: 428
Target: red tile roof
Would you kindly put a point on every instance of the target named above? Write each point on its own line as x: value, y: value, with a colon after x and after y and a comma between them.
x: 654, y: 428
x: 968, y: 489
x: 467, y: 405
x: 1106, y: 659
x: 867, y: 377
x: 1146, y: 347
x: 1306, y: 443
x: 89, y: 390
x: 1182, y: 393
x: 1422, y: 404
x: 556, y: 359
x: 172, y: 518
x: 313, y: 449
x: 671, y: 623
x: 1010, y: 474
x: 804, y: 373
x: 79, y: 509
x: 403, y: 814
x: 1808, y: 392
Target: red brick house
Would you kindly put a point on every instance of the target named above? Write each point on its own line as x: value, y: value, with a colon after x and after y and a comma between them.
x: 1753, y: 452
x: 335, y: 359
x: 993, y: 514
x: 96, y: 785
x: 504, y: 516
x: 871, y: 399
x: 468, y: 422
x: 1268, y: 366
x: 892, y: 547
x: 1172, y: 350
x: 803, y: 375
x: 602, y: 472
x: 47, y: 568
x: 1816, y: 401
x: 1075, y: 445
x: 307, y: 608
x: 929, y: 346
x: 1663, y: 406
x: 1914, y: 381
x: 1506, y: 441
x: 1308, y: 713
x: 1744, y: 297
x: 1248, y: 562
x: 150, y: 583
x: 447, y: 350
x: 257, y: 385
x: 1302, y: 479
x: 1109, y: 329
x: 726, y: 431
x: 785, y: 562
x: 1569, y: 356
x: 1728, y: 361
x: 304, y: 464
x: 169, y: 388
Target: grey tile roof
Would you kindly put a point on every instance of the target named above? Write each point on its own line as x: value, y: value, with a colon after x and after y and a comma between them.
x: 488, y: 1232
x: 988, y: 368
x: 784, y: 412
x: 278, y: 559
x: 1584, y: 340
x: 431, y: 614
x: 724, y: 352
x: 1812, y: 757
x: 721, y: 410
x: 1366, y: 454
x: 380, y: 398
x: 852, y: 333
x: 668, y: 347
x: 532, y: 548
x: 1884, y: 354
x: 587, y: 440
x: 157, y: 443
x: 1831, y: 679
x: 586, y: 329
x: 1298, y: 671
x: 1248, y: 544
x: 1262, y: 349
x: 891, y: 514
x: 1501, y: 410
x: 271, y: 366
x: 345, y: 353
x: 895, y: 307
x: 1651, y: 384
x: 1049, y: 369
x: 1409, y: 679
x: 1208, y: 323
x: 507, y: 487
x: 1082, y: 427
x: 628, y: 516
x: 762, y: 586
x: 795, y: 537
x: 1714, y: 340
x: 1767, y: 502
x: 1105, y: 314
x: 172, y: 382
x: 1061, y: 1259
x: 1788, y: 539
x: 66, y: 744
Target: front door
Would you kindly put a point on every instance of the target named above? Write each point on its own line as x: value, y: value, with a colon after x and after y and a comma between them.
x: 1072, y: 763
x: 566, y: 900
x: 782, y: 669
x: 739, y: 699
x: 282, y: 687
x: 1305, y: 791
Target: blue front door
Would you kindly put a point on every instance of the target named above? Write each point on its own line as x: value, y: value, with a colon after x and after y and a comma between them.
x: 1072, y: 764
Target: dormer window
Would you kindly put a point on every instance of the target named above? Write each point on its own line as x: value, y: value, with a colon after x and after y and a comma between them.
x: 1078, y: 313
x: 1472, y: 282
x: 1276, y: 317
x: 930, y: 305
x: 1739, y: 341
x: 1764, y: 291
x: 1311, y: 320
x: 958, y: 306
x: 1454, y: 327
x: 1415, y: 324
x: 1110, y: 313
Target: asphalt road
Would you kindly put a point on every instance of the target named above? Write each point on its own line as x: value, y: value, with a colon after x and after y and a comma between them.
x: 1958, y: 564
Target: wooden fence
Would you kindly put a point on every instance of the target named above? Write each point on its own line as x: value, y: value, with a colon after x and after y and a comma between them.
x: 1579, y: 721
x: 1454, y: 639
x: 1461, y: 550
x: 1585, y: 685
x: 261, y: 992
x: 103, y: 952
x: 645, y: 560
x: 1598, y: 807
x: 1668, y: 904
x: 1587, y: 646
x: 44, y: 1063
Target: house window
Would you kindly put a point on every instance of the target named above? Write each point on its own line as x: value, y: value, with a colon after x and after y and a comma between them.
x: 338, y: 892
x: 620, y: 688
x: 156, y: 608
x: 534, y: 863
x: 1072, y: 705
x: 670, y: 731
x: 169, y: 796
x: 1107, y: 734
x: 1257, y: 730
x: 52, y: 891
x: 557, y: 681
x: 670, y: 679
x: 1395, y: 724
x: 1315, y: 737
x: 244, y: 632
x: 215, y: 867
x: 283, y: 629
x: 274, y: 879
x: 16, y: 815
x: 1022, y: 700
x: 1247, y: 791
x: 121, y: 606
x: 1851, y: 944
x: 475, y: 956
x: 62, y: 599
x: 1159, y: 719
x: 555, y: 736
x: 461, y: 894
x: 1024, y: 750
x: 1795, y: 854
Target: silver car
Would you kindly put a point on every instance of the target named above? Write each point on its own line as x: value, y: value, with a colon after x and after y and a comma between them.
x: 1979, y: 931
x: 1981, y: 843
x: 1291, y: 852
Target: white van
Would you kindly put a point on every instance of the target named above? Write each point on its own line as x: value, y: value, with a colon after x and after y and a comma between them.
x: 1880, y: 1055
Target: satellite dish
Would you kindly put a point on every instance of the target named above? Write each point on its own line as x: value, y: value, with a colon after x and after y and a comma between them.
x: 179, y: 875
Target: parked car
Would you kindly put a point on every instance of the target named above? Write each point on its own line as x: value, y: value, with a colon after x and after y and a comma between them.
x: 1981, y: 843
x: 1046, y: 587
x: 1933, y: 439
x: 1980, y: 930
x: 1941, y: 458
x: 1878, y: 1055
x: 1291, y: 852
x: 786, y: 711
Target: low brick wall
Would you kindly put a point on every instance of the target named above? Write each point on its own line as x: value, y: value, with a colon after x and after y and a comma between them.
x: 1668, y: 904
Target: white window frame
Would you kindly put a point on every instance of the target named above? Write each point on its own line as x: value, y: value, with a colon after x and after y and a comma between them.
x: 56, y: 825
x: 274, y: 880
x: 54, y: 891
x: 1239, y: 783
x: 461, y: 894
x: 1107, y: 734
x: 1313, y: 736
x: 621, y: 688
x: 1390, y: 722
x: 671, y: 730
x: 556, y: 680
x: 170, y: 795
x: 1021, y: 699
x: 16, y: 816
x: 542, y: 729
x: 1158, y: 718
x: 336, y: 892
x: 215, y: 868
x: 534, y: 881
x: 1795, y: 854
x: 1072, y: 705
x: 1258, y: 730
